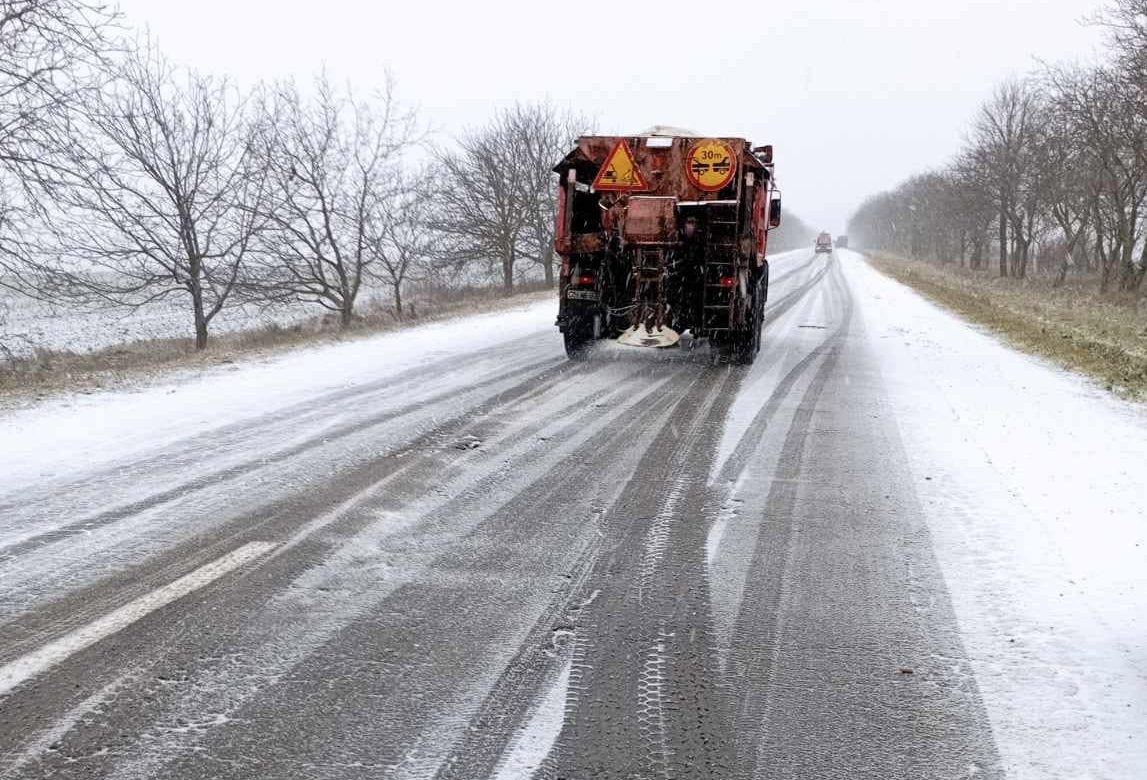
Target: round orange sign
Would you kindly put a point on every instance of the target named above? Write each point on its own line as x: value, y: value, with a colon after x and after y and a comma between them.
x: 710, y: 165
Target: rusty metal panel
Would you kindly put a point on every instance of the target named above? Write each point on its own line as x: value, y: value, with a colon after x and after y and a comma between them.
x: 664, y: 169
x: 650, y: 220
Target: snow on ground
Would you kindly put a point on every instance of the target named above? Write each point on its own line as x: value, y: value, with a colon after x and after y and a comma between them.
x: 30, y: 324
x: 1031, y: 479
x: 74, y: 432
x: 1033, y: 482
x: 530, y: 746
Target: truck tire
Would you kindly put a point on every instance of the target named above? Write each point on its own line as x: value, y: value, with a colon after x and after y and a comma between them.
x: 758, y: 325
x: 577, y: 345
x: 578, y: 334
x: 747, y: 343
x: 744, y: 348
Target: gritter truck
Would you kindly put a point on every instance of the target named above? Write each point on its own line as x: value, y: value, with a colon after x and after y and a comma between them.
x: 665, y: 232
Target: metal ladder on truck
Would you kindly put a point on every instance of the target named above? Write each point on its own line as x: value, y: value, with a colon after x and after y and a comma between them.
x: 720, y: 274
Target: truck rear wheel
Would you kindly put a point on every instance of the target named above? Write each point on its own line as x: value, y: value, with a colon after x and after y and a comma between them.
x: 577, y: 344
x: 578, y: 334
x: 747, y: 343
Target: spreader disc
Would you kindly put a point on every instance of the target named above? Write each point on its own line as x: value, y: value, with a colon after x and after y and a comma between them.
x: 644, y: 337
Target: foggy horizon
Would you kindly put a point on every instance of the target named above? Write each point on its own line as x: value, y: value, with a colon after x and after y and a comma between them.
x: 862, y: 100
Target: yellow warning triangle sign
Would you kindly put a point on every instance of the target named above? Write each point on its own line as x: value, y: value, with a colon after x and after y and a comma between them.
x: 620, y: 173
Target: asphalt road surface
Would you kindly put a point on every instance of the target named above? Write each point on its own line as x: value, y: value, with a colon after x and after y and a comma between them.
x: 506, y: 564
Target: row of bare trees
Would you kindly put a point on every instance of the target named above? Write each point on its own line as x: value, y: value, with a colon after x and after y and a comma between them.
x: 128, y: 181
x: 1055, y: 168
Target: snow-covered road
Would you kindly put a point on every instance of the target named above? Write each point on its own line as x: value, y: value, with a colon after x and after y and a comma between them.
x: 893, y: 548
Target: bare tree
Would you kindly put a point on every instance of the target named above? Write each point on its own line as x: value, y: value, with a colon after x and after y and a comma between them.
x: 161, y: 192
x: 18, y: 271
x: 971, y: 213
x: 1002, y: 135
x: 404, y: 238
x: 484, y: 204
x: 1097, y: 107
x: 543, y: 135
x: 334, y: 162
x: 497, y: 205
x: 1126, y: 24
x: 1058, y: 162
x: 1066, y: 180
x: 9, y: 351
x: 50, y: 53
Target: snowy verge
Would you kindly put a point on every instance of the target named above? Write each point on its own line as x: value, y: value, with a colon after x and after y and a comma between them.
x: 1032, y: 481
x: 65, y: 433
x: 58, y: 435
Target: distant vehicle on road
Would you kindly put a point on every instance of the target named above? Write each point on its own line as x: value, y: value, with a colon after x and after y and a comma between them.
x: 842, y: 242
x: 824, y: 243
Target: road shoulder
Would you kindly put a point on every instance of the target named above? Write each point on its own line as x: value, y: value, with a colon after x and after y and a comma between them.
x: 1100, y: 337
x: 1027, y: 475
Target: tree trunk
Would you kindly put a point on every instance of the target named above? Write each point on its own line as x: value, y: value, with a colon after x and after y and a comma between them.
x: 346, y: 313
x: 1061, y: 276
x: 398, y: 300
x: 548, y: 265
x: 1142, y: 268
x: 1105, y: 263
x: 1068, y: 260
x: 508, y: 272
x: 200, y: 332
x: 200, y: 317
x: 1003, y: 242
x: 1127, y: 261
x: 1100, y: 256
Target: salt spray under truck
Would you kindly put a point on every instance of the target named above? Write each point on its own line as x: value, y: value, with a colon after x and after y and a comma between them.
x: 665, y: 232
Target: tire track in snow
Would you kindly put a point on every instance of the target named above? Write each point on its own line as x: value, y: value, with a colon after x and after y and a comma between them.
x: 641, y: 700
x: 654, y: 687
x: 845, y: 657
x: 760, y: 619
x: 784, y: 303
x: 802, y: 266
x: 61, y: 609
x: 425, y: 714
x: 559, y: 424
x: 211, y: 479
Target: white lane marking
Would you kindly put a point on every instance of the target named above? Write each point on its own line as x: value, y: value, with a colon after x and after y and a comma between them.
x: 35, y: 663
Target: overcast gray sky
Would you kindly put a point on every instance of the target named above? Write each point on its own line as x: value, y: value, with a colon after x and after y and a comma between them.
x: 854, y: 95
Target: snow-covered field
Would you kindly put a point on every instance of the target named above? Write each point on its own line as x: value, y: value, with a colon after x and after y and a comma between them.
x: 27, y: 324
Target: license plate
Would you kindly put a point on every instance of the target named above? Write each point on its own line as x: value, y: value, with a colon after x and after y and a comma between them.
x: 582, y: 295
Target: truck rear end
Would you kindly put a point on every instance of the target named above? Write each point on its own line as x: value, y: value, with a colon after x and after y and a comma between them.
x: 662, y: 233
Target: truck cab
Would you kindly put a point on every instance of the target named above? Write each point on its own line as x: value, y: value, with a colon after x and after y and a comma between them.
x: 824, y: 243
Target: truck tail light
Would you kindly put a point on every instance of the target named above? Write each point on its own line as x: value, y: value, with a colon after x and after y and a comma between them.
x: 728, y: 281
x: 585, y: 280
